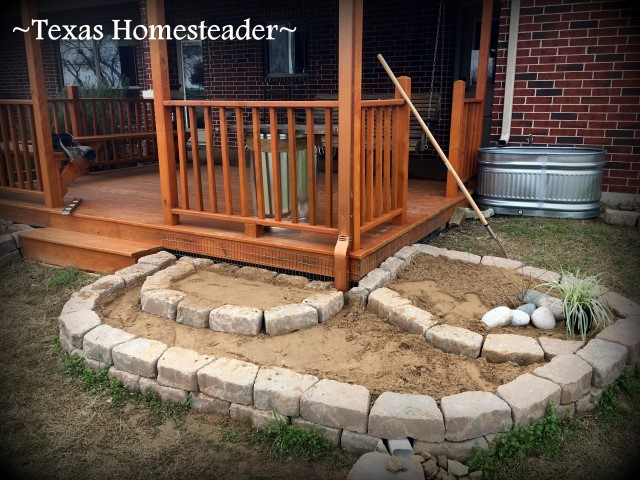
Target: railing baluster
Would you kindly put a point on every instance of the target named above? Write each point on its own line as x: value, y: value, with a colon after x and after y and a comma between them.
x: 242, y: 165
x: 293, y: 165
x: 369, y: 169
x: 211, y: 167
x: 16, y: 148
x: 395, y: 157
x: 129, y: 129
x: 5, y: 153
x: 34, y: 142
x: 226, y: 171
x: 94, y: 118
x: 257, y: 159
x: 378, y: 172
x: 311, y: 166
x: 328, y: 167
x: 275, y: 165
x: 363, y: 170
x: 56, y: 123
x: 195, y: 158
x: 26, y: 157
x: 182, y: 157
x: 387, y: 160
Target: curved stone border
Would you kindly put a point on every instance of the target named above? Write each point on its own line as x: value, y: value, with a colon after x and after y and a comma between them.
x: 342, y: 411
x: 158, y: 297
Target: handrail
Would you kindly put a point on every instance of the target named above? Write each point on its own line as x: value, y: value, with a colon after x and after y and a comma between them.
x: 252, y: 103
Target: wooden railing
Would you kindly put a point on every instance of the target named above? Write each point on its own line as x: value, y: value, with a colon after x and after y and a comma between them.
x: 122, y: 130
x: 465, y: 136
x: 261, y: 163
x: 380, y: 178
x: 19, y: 165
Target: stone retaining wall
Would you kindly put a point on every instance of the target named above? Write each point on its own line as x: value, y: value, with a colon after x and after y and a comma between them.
x: 573, y: 378
x: 10, y: 245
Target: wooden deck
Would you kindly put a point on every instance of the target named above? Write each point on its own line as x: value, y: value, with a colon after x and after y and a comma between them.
x: 125, y: 204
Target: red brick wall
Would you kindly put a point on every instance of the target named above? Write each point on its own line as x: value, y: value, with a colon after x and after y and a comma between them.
x: 577, y: 81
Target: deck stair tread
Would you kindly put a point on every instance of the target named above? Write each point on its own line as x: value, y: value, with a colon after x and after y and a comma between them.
x: 90, y: 241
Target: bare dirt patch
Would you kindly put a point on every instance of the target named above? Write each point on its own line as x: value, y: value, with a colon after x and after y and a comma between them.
x: 355, y: 346
x: 210, y: 289
x: 460, y: 293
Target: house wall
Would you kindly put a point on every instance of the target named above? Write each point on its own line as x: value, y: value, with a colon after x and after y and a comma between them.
x: 577, y: 81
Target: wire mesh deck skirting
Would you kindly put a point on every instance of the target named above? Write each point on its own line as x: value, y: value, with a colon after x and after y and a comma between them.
x: 280, y: 260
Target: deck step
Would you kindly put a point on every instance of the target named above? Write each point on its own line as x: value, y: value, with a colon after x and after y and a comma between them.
x: 86, y: 251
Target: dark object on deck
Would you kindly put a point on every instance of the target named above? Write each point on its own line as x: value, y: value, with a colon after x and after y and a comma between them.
x: 64, y: 142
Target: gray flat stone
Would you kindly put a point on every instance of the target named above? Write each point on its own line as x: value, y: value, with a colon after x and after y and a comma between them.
x: 336, y: 404
x: 235, y: 319
x: 621, y: 218
x: 297, y: 281
x: 132, y: 273
x: 584, y: 404
x: 7, y: 258
x: 178, y: 368
x: 625, y: 332
x: 259, y: 419
x: 497, y: 317
x: 280, y: 389
x: 65, y: 341
x: 129, y: 380
x: 571, y: 373
x: 470, y: 415
x: 14, y: 231
x: 202, y: 403
x: 155, y: 282
x: 429, y: 249
x: 327, y: 305
x: 462, y: 256
x: 104, y: 286
x: 373, y: 466
x: 328, y: 433
x: 519, y: 318
x: 191, y: 312
x: 160, y: 259
x: 553, y: 347
x: 455, y: 340
x: 501, y: 348
x: 621, y: 306
x: 606, y: 358
x: 374, y: 279
x: 411, y: 319
x: 253, y: 273
x: 357, y: 295
x: 528, y: 397
x: 457, y: 468
x: 501, y: 262
x: 539, y: 274
x: 289, y: 318
x: 178, y: 271
x: 223, y: 268
x: 527, y: 308
x: 166, y: 394
x: 383, y: 300
x: 99, y: 342
x: 455, y: 450
x: 393, y: 265
x: 197, y: 262
x: 95, y: 364
x: 543, y: 319
x: 358, y: 443
x: 138, y: 356
x: 81, y: 301
x: 406, y: 254
x: 532, y: 296
x: 7, y: 244
x: 229, y: 379
x: 320, y: 285
x: 76, y: 325
x: 162, y: 302
x: 397, y: 415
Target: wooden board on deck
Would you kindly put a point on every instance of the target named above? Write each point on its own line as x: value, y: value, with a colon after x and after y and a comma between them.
x: 84, y: 250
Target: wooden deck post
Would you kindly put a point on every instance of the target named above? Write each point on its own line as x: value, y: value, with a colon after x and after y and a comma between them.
x: 485, y: 45
x: 402, y: 151
x: 349, y: 127
x: 164, y: 125
x: 456, y: 135
x: 51, y: 183
x: 77, y: 128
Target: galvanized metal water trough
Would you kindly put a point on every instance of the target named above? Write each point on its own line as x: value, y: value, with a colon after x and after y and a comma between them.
x: 564, y: 182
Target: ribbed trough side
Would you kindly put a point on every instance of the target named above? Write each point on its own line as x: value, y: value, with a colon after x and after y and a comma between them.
x: 560, y: 182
